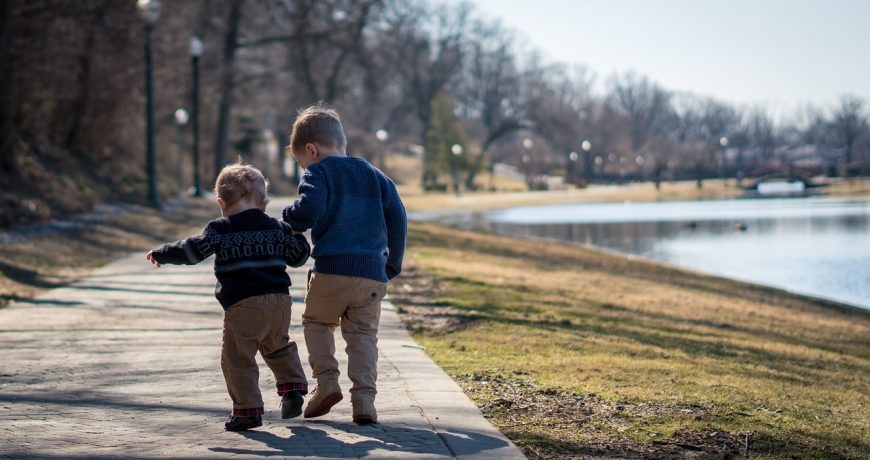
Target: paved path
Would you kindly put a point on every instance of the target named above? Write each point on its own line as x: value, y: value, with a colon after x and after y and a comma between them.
x: 126, y: 364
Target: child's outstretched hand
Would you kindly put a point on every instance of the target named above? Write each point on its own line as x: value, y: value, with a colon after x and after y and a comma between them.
x: 150, y: 257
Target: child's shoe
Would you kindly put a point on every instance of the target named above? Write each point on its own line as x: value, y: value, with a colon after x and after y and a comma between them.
x: 291, y: 404
x: 325, y: 395
x: 238, y: 423
x: 364, y: 412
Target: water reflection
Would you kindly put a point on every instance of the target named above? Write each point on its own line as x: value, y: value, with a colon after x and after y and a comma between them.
x: 812, y: 246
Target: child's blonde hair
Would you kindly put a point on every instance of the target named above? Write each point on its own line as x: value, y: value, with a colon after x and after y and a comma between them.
x: 237, y: 181
x: 317, y: 124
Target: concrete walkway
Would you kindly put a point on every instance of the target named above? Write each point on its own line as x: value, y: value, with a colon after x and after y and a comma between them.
x: 126, y: 364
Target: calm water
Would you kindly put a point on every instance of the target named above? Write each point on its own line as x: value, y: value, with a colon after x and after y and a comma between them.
x: 814, y: 246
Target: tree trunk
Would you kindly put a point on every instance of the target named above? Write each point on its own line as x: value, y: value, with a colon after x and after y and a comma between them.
x: 80, y: 105
x: 227, y: 84
x: 7, y: 104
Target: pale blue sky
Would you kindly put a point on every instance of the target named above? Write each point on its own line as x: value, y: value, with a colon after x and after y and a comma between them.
x: 775, y: 52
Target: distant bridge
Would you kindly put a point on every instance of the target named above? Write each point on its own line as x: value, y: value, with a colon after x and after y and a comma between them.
x: 779, y: 173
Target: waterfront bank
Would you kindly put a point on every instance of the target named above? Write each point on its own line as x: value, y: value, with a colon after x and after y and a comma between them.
x: 572, y: 350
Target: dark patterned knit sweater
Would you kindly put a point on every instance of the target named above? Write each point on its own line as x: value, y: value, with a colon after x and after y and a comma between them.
x: 252, y: 251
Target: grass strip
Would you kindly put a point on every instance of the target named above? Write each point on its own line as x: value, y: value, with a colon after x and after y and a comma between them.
x: 572, y: 351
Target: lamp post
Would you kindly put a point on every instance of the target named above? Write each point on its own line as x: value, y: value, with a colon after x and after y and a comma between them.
x: 382, y: 136
x: 149, y: 11
x: 586, y: 146
x: 723, y: 142
x: 195, y: 51
x: 181, y: 118
x: 270, y: 150
x: 528, y: 144
x: 456, y: 150
x: 572, y: 160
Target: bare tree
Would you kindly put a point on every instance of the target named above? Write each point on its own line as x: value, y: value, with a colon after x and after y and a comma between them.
x: 7, y: 104
x: 561, y: 107
x: 762, y: 133
x: 848, y: 123
x: 644, y: 106
x: 430, y: 55
x: 230, y: 46
x: 489, y: 89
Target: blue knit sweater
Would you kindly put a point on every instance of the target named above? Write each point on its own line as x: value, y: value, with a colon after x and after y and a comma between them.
x: 357, y: 220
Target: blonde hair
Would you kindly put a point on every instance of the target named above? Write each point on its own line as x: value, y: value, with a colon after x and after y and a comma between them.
x: 317, y: 124
x: 237, y: 181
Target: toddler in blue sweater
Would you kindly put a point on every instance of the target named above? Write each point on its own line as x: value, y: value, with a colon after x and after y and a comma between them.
x: 358, y: 229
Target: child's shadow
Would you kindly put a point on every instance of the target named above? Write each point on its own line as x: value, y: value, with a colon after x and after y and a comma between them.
x: 358, y: 441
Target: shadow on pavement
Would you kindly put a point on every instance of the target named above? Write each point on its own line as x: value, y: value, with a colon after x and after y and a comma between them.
x: 37, y: 301
x: 82, y: 399
x: 307, y: 440
x: 138, y: 291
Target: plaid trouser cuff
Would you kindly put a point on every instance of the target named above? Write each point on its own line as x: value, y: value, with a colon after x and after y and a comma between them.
x: 288, y: 387
x: 248, y: 412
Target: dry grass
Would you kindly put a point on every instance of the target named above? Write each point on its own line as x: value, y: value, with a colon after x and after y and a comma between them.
x: 686, y: 355
x: 856, y: 188
x: 50, y: 260
x: 415, y: 200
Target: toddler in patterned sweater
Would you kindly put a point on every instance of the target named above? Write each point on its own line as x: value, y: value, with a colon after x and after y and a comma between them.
x: 252, y: 252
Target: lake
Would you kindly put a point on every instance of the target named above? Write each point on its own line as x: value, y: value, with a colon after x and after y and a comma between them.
x: 814, y: 246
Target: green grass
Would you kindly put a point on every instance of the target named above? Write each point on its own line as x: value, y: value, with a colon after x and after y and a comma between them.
x: 659, y: 358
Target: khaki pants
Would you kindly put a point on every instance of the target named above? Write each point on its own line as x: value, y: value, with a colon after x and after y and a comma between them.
x: 259, y: 323
x: 355, y: 304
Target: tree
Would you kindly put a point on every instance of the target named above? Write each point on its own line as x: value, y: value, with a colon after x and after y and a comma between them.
x: 428, y: 56
x: 445, y: 131
x: 489, y: 88
x: 848, y: 124
x: 644, y: 106
x: 230, y: 46
x: 7, y: 105
x: 560, y: 107
x: 762, y: 133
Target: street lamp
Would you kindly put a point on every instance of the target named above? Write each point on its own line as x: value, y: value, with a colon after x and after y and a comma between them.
x: 723, y: 142
x: 271, y: 150
x: 149, y: 11
x: 195, y: 51
x: 456, y: 150
x: 382, y: 136
x: 181, y: 118
x: 528, y: 144
x: 586, y: 146
x: 572, y: 159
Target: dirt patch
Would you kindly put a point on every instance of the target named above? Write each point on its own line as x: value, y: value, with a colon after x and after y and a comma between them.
x: 574, y: 425
x: 415, y: 297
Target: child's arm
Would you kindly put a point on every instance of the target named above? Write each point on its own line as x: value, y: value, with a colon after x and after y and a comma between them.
x: 189, y: 251
x: 307, y: 209
x: 397, y: 231
x: 297, y: 247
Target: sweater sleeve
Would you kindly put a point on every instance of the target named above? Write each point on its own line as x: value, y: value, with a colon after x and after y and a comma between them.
x: 397, y: 230
x: 297, y: 248
x: 191, y: 250
x: 311, y: 203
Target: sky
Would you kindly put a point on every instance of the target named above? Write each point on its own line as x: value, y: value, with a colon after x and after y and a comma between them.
x: 777, y: 53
